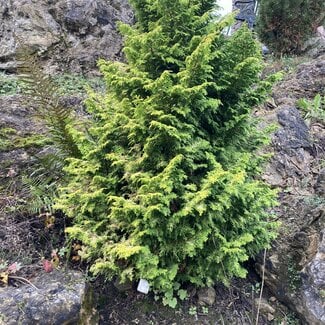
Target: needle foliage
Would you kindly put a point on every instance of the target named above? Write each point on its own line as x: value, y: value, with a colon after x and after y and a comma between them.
x: 285, y: 25
x: 167, y: 186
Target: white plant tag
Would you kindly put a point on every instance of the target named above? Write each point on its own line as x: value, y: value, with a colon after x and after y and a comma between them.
x: 143, y: 286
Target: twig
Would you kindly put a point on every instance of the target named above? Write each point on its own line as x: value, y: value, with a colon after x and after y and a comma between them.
x: 247, y: 316
x: 262, y: 286
x: 23, y: 280
x: 223, y: 323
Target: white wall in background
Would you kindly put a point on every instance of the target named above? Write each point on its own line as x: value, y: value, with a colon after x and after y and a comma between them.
x: 225, y: 7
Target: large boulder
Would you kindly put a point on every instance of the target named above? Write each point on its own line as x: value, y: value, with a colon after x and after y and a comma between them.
x: 68, y: 35
x: 56, y: 299
x: 315, y: 46
x: 295, y: 265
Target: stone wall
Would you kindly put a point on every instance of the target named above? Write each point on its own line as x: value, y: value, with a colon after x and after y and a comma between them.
x: 69, y: 35
x: 246, y: 13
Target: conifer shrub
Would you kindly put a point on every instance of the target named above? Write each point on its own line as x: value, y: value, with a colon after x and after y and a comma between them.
x: 167, y: 187
x: 284, y: 25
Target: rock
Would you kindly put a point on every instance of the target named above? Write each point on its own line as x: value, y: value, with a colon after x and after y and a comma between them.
x: 315, y: 46
x: 68, y: 35
x: 306, y: 82
x: 313, y: 282
x: 206, y: 296
x: 57, y: 301
x: 321, y: 31
x: 272, y: 299
x: 295, y: 265
x: 265, y: 50
x: 270, y: 317
x: 246, y: 13
x: 265, y: 308
x: 294, y: 133
x: 89, y: 314
x: 292, y: 148
x: 320, y: 183
x: 125, y: 286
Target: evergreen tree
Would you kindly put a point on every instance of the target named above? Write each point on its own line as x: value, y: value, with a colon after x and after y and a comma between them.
x: 284, y: 25
x: 167, y: 188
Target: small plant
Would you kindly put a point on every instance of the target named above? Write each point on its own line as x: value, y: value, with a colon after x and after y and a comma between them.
x: 63, y: 251
x: 256, y: 288
x: 291, y: 319
x: 314, y: 200
x: 314, y: 109
x: 192, y: 311
x: 322, y: 294
x: 9, y: 85
x: 44, y: 95
x: 5, y: 134
x: 3, y: 265
x: 205, y: 310
x: 71, y: 84
x: 294, y: 279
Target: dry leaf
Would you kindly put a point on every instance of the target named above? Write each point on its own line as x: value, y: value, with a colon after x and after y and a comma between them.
x: 55, y: 259
x: 47, y: 266
x: 75, y: 258
x: 14, y: 267
x: 11, y: 173
x: 49, y: 221
x: 4, y: 278
x: 76, y: 247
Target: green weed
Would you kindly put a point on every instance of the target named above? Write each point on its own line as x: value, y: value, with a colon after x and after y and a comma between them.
x: 9, y: 85
x: 294, y: 279
x: 314, y: 110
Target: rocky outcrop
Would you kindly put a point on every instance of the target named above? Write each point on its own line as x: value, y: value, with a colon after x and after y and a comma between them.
x: 69, y: 35
x: 315, y: 46
x: 246, y: 12
x: 56, y: 299
x: 295, y: 265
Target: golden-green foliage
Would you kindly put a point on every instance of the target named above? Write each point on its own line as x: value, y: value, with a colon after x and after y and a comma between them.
x: 167, y: 185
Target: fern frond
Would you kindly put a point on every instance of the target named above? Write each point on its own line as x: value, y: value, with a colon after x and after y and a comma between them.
x: 43, y: 95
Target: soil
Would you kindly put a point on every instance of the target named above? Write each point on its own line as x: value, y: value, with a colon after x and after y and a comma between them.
x: 234, y: 305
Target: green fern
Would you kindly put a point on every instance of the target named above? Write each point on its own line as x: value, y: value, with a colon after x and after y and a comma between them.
x: 43, y: 97
x: 40, y: 193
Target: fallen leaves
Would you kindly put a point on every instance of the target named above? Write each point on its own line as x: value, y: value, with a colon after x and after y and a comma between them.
x: 10, y: 270
x: 14, y: 267
x: 8, y: 273
x: 47, y: 266
x: 75, y: 250
x: 4, y: 278
x: 50, y: 265
x: 55, y: 260
x: 48, y: 219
